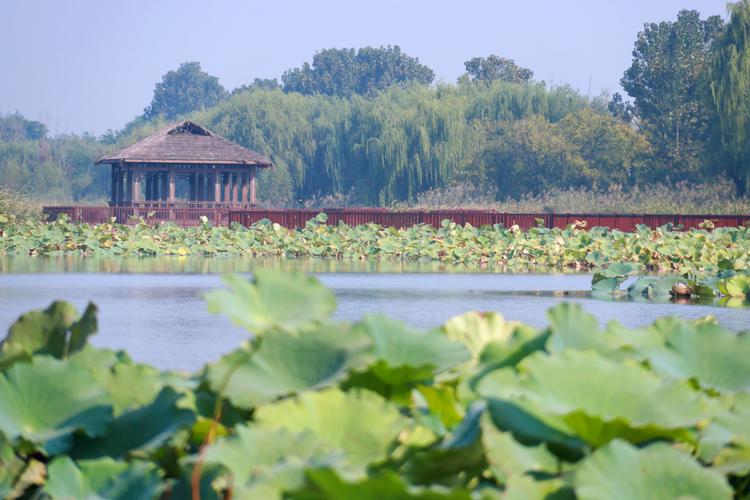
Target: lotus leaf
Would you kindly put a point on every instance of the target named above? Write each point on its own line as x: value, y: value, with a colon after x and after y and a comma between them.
x: 252, y: 451
x: 287, y: 364
x: 359, y: 423
x: 398, y: 345
x: 736, y: 286
x: 455, y: 460
x: 714, y: 356
x: 507, y: 458
x: 57, y: 331
x: 325, y: 484
x: 621, y: 471
x: 600, y: 399
x: 138, y: 431
x: 475, y: 330
x: 273, y: 300
x: 102, y: 478
x: 45, y: 401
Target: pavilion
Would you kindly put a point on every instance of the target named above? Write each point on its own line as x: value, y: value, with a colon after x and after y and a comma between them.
x: 184, y: 165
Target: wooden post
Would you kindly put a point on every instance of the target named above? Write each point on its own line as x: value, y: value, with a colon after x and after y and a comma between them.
x: 243, y: 176
x: 171, y: 185
x: 164, y: 186
x: 217, y: 187
x: 113, y: 193
x: 131, y: 182
x: 235, y: 188
x: 136, y: 193
x: 120, y: 195
x: 252, y: 184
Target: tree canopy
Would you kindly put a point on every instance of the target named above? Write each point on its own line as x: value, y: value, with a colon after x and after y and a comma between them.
x: 366, y: 71
x: 184, y: 90
x: 731, y: 95
x: 668, y: 80
x: 494, y: 67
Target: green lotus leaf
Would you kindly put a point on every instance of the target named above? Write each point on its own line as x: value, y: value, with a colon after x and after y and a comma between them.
x: 508, y: 458
x: 621, y: 471
x: 572, y: 328
x: 716, y: 357
x: 736, y: 286
x: 599, y: 399
x: 287, y: 364
x: 269, y: 459
x: 452, y: 461
x: 526, y: 488
x: 359, y: 423
x: 45, y: 401
x: 442, y: 402
x: 397, y: 345
x: 531, y: 428
x: 56, y: 331
x: 325, y: 484
x: 129, y: 384
x: 603, y: 285
x: 102, y: 478
x: 10, y: 468
x: 273, y: 300
x: 138, y: 431
x: 475, y: 330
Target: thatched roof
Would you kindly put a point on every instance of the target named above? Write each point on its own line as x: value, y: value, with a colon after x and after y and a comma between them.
x: 186, y: 142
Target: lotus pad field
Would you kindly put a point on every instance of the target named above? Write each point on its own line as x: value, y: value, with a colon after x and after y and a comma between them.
x: 664, y: 248
x: 311, y: 408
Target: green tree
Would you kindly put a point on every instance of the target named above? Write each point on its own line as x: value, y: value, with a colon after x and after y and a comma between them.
x: 184, y: 90
x: 494, y: 67
x: 615, y: 152
x: 367, y: 71
x: 17, y: 128
x: 731, y: 95
x: 528, y: 156
x: 668, y: 81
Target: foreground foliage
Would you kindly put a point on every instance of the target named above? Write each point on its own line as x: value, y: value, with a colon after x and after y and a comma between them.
x: 319, y: 409
x: 664, y: 248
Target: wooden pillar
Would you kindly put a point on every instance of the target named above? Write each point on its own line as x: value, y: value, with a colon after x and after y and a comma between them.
x: 164, y: 185
x: 252, y: 184
x: 235, y: 187
x: 171, y: 185
x: 217, y: 187
x: 244, y: 176
x: 131, y: 181
x: 227, y: 186
x: 113, y: 186
x: 136, y: 192
x: 122, y: 178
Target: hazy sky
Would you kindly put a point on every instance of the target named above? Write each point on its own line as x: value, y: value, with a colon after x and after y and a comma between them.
x: 92, y: 65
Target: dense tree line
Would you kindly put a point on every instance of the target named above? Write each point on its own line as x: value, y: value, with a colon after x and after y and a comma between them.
x: 370, y: 124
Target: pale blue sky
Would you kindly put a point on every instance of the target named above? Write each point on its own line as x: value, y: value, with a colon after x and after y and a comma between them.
x: 90, y: 65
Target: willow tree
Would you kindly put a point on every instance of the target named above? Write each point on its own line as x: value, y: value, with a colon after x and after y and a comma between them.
x: 731, y: 95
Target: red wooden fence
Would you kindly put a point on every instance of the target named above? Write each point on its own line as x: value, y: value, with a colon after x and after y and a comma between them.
x: 385, y: 217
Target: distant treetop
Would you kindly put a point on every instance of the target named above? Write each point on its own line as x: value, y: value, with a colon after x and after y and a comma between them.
x: 17, y: 128
x: 366, y: 71
x: 184, y: 90
x: 494, y: 67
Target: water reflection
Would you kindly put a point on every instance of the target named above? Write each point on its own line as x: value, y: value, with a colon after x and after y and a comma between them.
x: 234, y: 264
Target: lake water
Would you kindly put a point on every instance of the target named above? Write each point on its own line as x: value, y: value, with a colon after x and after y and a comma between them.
x: 161, y: 319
